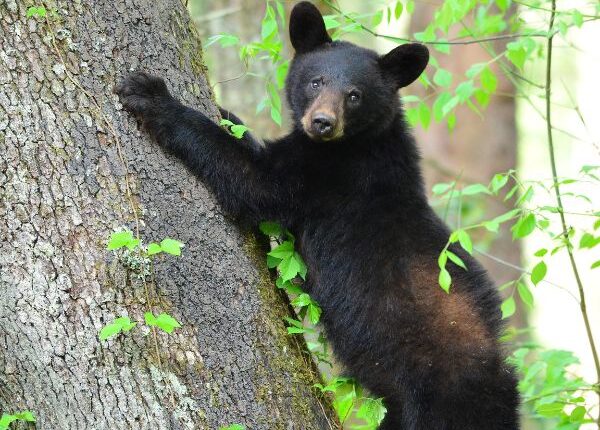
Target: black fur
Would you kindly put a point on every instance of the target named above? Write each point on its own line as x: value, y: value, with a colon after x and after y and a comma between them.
x: 359, y: 211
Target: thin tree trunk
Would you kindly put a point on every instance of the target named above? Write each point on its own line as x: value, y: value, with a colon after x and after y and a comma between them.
x: 70, y: 174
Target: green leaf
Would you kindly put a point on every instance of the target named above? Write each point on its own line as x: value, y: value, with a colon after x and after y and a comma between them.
x: 456, y: 259
x: 492, y: 226
x: 588, y: 241
x: 119, y: 239
x: 398, y: 9
x: 577, y: 414
x: 171, y: 246
x: 550, y: 409
x: 25, y: 416
x: 121, y: 324
x: 269, y: 24
x: 284, y: 250
x: 233, y: 427
x: 276, y: 115
x: 488, y: 79
x: 372, y: 411
x: 269, y: 228
x: 238, y: 130
x: 6, y: 420
x: 464, y: 90
x: 164, y: 321
x: 524, y: 226
x: 39, y: 11
x: 424, y: 115
x: 474, y: 189
x: 595, y: 265
x: 445, y: 280
x: 577, y: 18
x: 538, y: 272
x: 475, y: 69
x: 439, y: 106
x: 331, y: 22
x: 508, y: 307
x: 465, y: 241
x: 498, y: 182
x: 439, y: 189
x: 288, y: 268
x: 224, y: 40
x: 525, y: 294
x: 442, y: 77
x: 516, y: 54
x: 314, y: 313
x: 541, y: 252
x: 153, y: 248
x: 377, y: 18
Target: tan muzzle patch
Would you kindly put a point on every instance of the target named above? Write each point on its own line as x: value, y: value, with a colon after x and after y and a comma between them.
x: 324, y: 118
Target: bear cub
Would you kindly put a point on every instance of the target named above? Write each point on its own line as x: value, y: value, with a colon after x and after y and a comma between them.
x: 346, y: 182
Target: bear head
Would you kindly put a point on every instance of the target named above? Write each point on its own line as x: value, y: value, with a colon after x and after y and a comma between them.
x: 337, y: 90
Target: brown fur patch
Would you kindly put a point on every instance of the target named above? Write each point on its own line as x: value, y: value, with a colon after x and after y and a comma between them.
x: 330, y: 103
x: 452, y: 320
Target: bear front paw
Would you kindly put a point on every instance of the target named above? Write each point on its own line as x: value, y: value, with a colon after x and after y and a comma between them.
x: 141, y: 93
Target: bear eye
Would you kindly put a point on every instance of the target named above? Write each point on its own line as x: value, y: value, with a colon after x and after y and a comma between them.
x: 354, y: 96
x: 315, y: 83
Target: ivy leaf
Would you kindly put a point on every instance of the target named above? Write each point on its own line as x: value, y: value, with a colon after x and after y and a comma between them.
x: 508, y: 307
x: 121, y: 324
x: 39, y: 11
x: 538, y: 273
x: 164, y: 321
x: 153, y: 248
x: 289, y: 268
x: 233, y: 427
x: 314, y: 313
x: 119, y: 239
x: 372, y: 410
x: 284, y: 250
x: 171, y: 246
x: 269, y: 228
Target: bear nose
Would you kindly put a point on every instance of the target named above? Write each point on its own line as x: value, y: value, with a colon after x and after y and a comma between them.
x: 323, y: 124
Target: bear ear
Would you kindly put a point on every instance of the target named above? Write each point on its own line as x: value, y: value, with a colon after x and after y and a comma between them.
x: 307, y: 28
x: 405, y: 63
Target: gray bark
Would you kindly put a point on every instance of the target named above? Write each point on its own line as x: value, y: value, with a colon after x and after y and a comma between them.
x: 63, y: 190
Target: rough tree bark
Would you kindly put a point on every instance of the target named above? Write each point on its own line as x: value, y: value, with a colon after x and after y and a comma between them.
x: 65, y: 170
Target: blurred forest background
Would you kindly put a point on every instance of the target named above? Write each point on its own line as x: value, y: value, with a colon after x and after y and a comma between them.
x: 510, y: 133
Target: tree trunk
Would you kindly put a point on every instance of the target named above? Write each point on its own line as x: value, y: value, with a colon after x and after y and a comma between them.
x: 73, y: 169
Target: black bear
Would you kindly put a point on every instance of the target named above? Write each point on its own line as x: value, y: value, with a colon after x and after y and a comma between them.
x: 347, y: 183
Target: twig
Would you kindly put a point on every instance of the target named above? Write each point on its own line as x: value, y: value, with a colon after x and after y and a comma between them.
x: 523, y: 270
x: 582, y: 303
